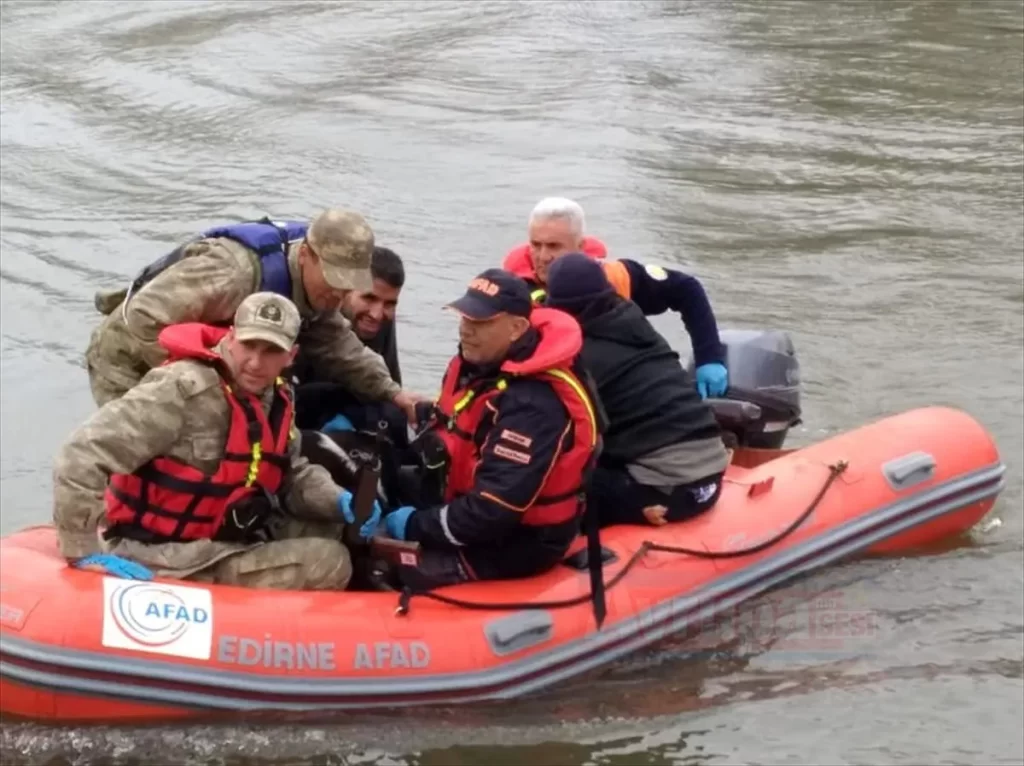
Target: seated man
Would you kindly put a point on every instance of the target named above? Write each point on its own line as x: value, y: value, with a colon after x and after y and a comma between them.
x: 189, y: 468
x: 556, y: 228
x: 537, y: 253
x: 318, y: 399
x: 519, y: 431
x: 372, y: 312
x: 663, y: 456
x: 316, y: 265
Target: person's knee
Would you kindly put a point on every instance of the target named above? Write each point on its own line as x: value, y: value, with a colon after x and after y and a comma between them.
x: 328, y: 565
x: 694, y: 499
x: 310, y: 563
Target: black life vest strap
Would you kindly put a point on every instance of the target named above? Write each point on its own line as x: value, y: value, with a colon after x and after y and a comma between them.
x: 255, y: 433
x: 281, y: 232
x: 141, y: 508
x: 204, y: 488
x: 281, y: 461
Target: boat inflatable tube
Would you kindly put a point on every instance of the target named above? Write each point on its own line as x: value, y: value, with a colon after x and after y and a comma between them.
x: 77, y: 646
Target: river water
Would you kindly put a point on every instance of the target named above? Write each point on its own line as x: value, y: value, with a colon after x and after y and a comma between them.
x: 852, y: 172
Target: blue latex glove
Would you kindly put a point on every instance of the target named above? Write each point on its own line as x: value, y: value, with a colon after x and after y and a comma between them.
x: 338, y: 423
x: 712, y: 380
x: 397, y: 520
x: 345, y: 508
x: 115, y: 565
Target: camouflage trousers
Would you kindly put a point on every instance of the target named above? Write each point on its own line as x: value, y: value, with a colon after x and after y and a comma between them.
x: 306, y: 555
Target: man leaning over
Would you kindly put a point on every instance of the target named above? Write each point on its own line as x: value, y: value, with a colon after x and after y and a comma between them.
x: 206, y: 279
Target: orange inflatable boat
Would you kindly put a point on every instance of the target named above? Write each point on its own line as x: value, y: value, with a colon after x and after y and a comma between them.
x: 77, y: 646
x: 80, y: 646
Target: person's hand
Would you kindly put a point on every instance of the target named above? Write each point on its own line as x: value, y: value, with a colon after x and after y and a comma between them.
x: 712, y: 380
x: 338, y: 423
x: 345, y: 509
x: 398, y: 520
x: 407, y: 401
x: 108, y: 563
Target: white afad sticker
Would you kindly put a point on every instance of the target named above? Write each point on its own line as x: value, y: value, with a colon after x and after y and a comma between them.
x: 157, y: 618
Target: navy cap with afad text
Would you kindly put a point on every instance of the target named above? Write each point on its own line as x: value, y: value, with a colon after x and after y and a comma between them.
x: 494, y: 292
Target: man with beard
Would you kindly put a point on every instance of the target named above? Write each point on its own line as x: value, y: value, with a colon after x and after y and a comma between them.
x: 316, y: 265
x: 324, y: 404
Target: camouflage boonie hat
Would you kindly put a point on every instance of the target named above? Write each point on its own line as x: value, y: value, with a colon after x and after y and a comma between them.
x: 344, y: 243
x: 270, y: 317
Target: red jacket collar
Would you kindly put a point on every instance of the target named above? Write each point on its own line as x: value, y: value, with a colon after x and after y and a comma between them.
x: 518, y: 260
x: 191, y: 340
x: 560, y: 342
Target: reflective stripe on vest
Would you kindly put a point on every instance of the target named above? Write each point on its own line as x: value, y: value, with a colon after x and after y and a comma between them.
x: 581, y: 393
x: 556, y: 506
x: 174, y: 501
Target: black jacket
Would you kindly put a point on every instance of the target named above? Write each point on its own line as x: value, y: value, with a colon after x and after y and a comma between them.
x: 649, y: 400
x: 505, y: 487
x: 656, y: 290
x: 385, y: 343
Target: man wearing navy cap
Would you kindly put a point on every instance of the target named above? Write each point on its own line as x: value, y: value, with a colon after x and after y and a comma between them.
x: 519, y: 430
x: 662, y: 457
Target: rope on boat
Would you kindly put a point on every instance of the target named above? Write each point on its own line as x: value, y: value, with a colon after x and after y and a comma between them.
x: 835, y: 470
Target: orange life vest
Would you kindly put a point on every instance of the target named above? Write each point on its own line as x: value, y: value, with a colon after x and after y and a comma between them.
x: 177, y: 502
x: 463, y: 415
x: 519, y: 262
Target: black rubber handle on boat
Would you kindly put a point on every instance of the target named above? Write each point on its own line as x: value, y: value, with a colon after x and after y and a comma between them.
x: 595, y: 563
x: 399, y: 552
x: 365, y: 494
x: 362, y: 502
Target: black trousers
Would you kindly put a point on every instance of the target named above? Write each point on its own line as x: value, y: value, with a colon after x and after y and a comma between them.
x: 619, y: 499
x: 527, y: 552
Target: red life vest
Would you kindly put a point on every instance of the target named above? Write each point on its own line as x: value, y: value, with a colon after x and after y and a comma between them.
x: 519, y: 262
x: 461, y: 415
x: 174, y: 501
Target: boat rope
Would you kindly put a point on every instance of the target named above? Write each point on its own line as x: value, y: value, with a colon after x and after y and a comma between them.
x: 835, y: 470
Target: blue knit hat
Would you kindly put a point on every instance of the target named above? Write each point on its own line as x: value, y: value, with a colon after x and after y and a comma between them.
x: 574, y: 281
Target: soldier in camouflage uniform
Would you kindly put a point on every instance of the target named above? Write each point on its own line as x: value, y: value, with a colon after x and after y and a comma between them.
x: 207, y: 279
x: 181, y: 412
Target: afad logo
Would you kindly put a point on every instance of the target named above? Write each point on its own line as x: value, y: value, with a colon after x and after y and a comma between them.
x: 157, y: 618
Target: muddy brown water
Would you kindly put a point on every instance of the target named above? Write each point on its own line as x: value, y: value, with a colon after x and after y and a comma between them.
x: 852, y: 172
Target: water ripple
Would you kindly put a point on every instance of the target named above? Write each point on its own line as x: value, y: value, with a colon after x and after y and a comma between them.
x: 850, y: 172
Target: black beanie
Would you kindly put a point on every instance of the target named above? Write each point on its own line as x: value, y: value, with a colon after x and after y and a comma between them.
x: 575, y: 281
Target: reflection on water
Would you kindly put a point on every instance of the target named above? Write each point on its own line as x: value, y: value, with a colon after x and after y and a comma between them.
x: 850, y: 172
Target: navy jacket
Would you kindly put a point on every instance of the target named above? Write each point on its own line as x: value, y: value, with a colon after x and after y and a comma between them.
x: 655, y: 290
x: 530, y: 408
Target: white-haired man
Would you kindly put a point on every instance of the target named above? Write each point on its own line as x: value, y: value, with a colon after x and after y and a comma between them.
x: 557, y: 226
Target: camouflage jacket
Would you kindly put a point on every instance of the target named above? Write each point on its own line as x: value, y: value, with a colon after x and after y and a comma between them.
x: 180, y: 411
x: 207, y: 285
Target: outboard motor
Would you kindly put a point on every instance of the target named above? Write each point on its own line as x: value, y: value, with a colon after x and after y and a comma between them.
x: 763, y: 399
